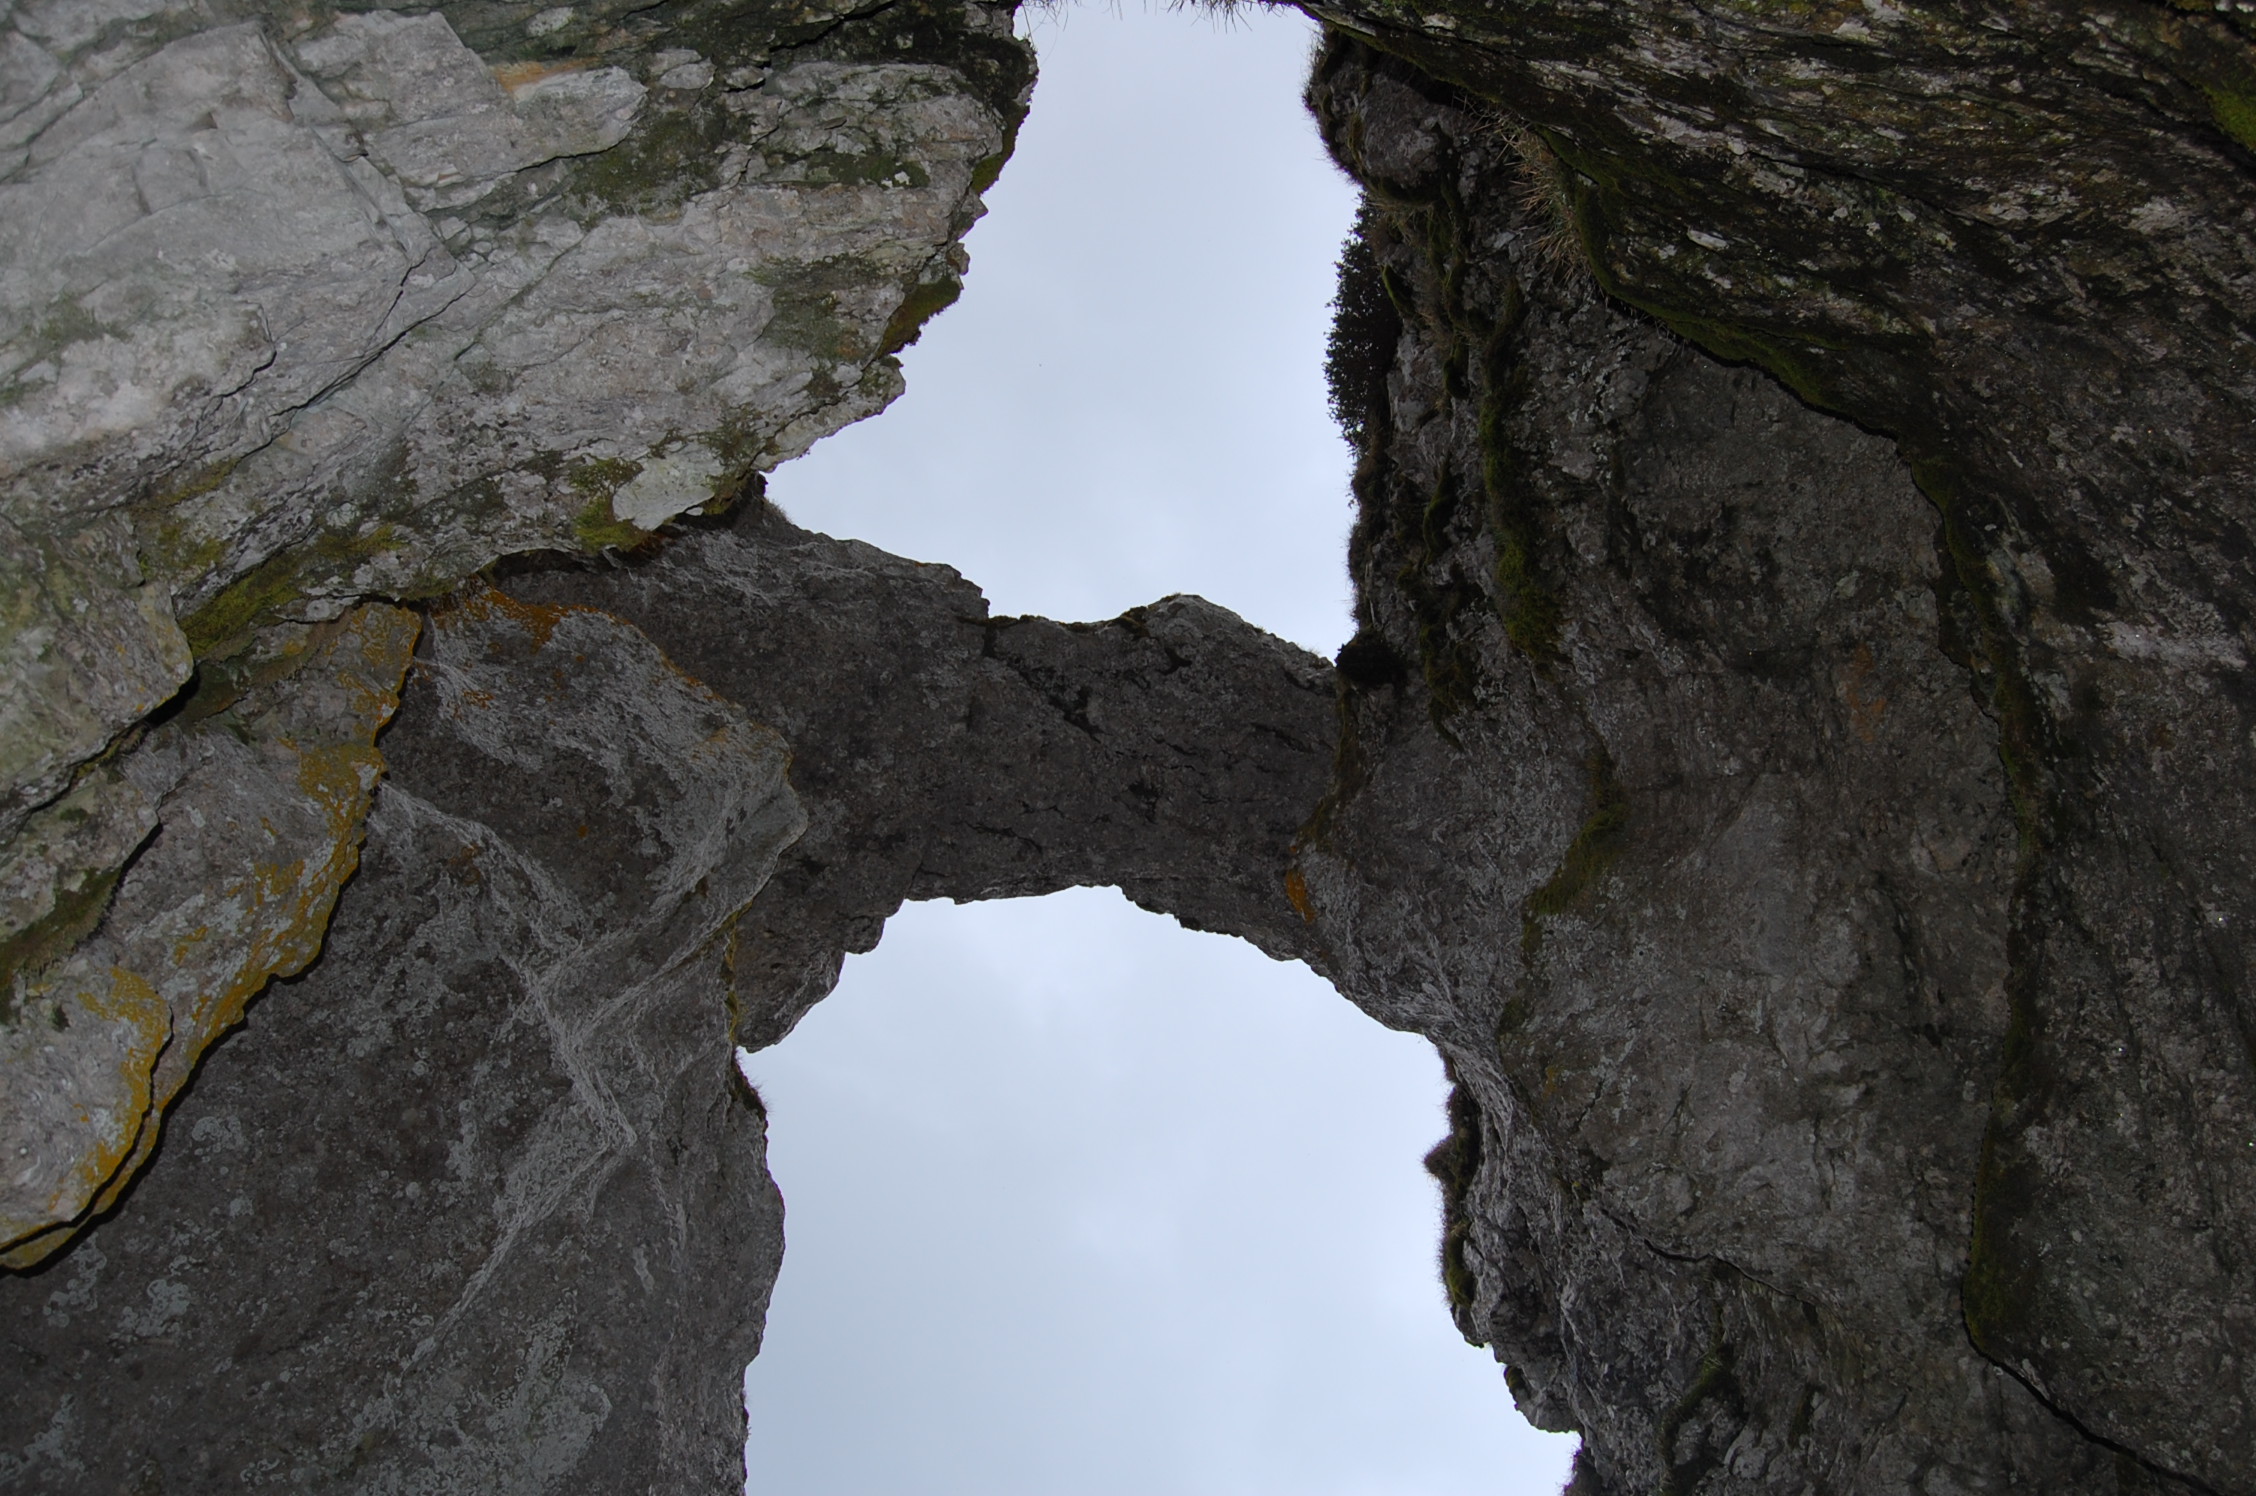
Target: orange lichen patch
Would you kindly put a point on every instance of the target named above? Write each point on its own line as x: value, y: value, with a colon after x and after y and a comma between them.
x: 516, y: 75
x: 1866, y: 706
x: 538, y: 620
x: 279, y: 947
x: 38, y: 1247
x: 384, y: 643
x: 286, y: 908
x: 464, y: 863
x: 1296, y: 889
x: 114, y: 1126
x: 184, y: 949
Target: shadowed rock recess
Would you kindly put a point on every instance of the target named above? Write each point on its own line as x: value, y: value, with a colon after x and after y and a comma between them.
x: 1795, y: 760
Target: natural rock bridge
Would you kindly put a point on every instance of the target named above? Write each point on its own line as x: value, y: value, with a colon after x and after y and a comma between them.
x: 1795, y: 760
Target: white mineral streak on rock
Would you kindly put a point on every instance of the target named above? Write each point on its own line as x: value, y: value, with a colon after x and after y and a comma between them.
x: 633, y: 716
x: 2136, y: 642
x: 553, y: 693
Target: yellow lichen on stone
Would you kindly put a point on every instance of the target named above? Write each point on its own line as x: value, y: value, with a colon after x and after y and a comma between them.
x: 190, y: 954
x: 106, y: 1103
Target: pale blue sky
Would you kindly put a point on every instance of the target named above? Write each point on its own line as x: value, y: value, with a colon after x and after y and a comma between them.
x: 1129, y: 399
x: 1081, y: 1203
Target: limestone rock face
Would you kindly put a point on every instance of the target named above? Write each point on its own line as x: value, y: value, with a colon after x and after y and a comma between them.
x: 1855, y: 1089
x: 1174, y: 752
x: 243, y: 822
x: 1724, y: 969
x: 303, y: 305
x: 311, y: 298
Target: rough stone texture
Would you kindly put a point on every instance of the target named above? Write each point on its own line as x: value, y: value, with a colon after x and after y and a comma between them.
x: 1782, y: 871
x: 305, y: 304
x: 2021, y: 240
x: 1707, y: 871
x: 472, y: 1206
x: 311, y: 296
x: 1820, y: 850
x: 1173, y: 752
x: 487, y: 1163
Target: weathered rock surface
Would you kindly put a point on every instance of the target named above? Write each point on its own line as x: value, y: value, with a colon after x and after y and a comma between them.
x: 311, y: 297
x: 260, y: 800
x: 1174, y: 752
x: 301, y: 305
x: 2017, y: 240
x: 511, y: 1228
x: 488, y: 1164
x: 1819, y: 846
x: 1723, y: 973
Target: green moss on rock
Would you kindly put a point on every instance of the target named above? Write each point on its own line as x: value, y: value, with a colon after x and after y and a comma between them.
x: 2235, y: 113
x: 926, y: 301
x: 1604, y: 833
x: 809, y: 314
x: 79, y: 906
x: 671, y: 156
x: 265, y: 592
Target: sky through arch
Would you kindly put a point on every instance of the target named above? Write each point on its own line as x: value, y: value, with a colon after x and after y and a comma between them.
x: 1084, y: 1204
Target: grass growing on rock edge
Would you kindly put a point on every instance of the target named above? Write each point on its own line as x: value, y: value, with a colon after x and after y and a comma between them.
x: 1454, y: 1162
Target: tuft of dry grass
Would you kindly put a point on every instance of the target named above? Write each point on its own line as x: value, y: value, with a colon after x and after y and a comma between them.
x: 1545, y: 193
